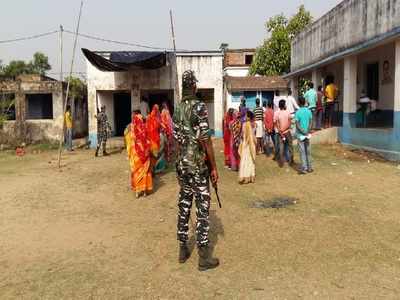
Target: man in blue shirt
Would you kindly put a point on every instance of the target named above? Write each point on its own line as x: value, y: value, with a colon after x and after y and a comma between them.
x: 311, y: 97
x: 303, y: 118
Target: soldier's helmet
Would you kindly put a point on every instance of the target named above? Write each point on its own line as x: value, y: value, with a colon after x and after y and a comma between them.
x: 189, y: 81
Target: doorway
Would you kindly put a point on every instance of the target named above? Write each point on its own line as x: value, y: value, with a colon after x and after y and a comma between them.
x: 373, y: 81
x: 122, y: 112
x: 159, y: 97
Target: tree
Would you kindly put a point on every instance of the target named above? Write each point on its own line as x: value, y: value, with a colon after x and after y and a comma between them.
x: 273, y: 57
x: 77, y: 88
x: 38, y: 65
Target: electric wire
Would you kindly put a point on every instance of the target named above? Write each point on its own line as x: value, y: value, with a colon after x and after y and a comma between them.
x: 32, y: 37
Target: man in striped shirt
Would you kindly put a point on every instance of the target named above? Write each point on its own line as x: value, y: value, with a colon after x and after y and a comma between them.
x: 259, y: 117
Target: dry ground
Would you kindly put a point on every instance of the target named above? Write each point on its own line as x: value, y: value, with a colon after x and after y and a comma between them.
x: 80, y: 234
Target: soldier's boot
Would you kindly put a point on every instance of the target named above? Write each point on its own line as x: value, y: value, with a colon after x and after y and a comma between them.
x: 206, y: 261
x: 184, y: 253
x: 97, y: 151
x: 105, y: 153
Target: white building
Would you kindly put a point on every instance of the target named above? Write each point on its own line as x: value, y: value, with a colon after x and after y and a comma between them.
x: 125, y: 81
x: 357, y: 46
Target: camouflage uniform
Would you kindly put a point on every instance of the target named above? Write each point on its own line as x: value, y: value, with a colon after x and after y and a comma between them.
x: 190, y: 128
x: 102, y: 130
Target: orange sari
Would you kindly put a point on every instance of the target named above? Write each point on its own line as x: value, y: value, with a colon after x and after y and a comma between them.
x: 138, y: 148
x: 153, y: 124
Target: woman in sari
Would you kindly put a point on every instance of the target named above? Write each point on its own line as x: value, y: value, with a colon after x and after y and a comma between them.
x: 247, y: 151
x: 227, y: 137
x: 138, y: 148
x: 153, y: 124
x: 235, y: 128
x: 167, y: 128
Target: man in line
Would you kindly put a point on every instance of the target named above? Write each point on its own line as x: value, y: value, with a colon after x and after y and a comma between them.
x: 311, y: 101
x: 283, y: 124
x: 259, y: 116
x: 68, y: 128
x: 269, y: 129
x: 291, y: 104
x: 194, y: 150
x: 303, y: 119
x: 331, y: 93
x: 102, y: 131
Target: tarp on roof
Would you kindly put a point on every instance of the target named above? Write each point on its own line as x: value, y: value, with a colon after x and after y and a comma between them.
x: 120, y: 61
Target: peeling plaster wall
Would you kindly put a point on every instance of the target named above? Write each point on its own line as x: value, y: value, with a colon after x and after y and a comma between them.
x: 34, y: 130
x: 350, y: 23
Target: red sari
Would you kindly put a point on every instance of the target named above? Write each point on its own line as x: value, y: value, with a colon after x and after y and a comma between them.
x: 167, y: 126
x: 227, y: 138
x: 153, y: 124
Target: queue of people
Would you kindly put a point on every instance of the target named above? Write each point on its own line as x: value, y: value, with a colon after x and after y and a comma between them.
x: 149, y: 147
x: 269, y: 129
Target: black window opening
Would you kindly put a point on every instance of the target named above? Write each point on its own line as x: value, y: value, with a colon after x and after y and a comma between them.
x: 373, y: 81
x: 249, y: 59
x: 39, y: 106
x: 7, y: 107
x: 206, y: 95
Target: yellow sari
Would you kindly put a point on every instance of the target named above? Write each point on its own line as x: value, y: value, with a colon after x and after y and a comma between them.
x: 137, y: 147
x: 247, y: 152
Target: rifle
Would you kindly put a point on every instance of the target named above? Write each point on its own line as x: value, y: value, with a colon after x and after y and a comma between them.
x: 214, y: 185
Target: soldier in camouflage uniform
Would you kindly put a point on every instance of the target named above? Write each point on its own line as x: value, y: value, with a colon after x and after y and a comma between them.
x: 102, y: 131
x: 192, y: 136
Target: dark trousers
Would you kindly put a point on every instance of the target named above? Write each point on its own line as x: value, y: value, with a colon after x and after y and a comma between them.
x: 194, y: 186
x: 285, y: 141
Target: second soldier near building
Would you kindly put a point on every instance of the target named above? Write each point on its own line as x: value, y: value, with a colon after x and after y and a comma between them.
x: 102, y: 131
x: 194, y: 148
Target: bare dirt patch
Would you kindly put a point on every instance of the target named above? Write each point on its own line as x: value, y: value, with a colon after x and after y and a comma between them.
x: 81, y: 234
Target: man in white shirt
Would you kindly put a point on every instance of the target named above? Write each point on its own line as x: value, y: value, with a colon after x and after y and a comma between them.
x: 291, y: 103
x: 278, y: 98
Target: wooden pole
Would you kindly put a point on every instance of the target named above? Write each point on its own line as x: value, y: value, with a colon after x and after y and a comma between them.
x: 177, y: 90
x: 61, y: 53
x: 68, y: 86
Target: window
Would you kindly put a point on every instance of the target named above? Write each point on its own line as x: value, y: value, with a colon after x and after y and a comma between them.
x: 249, y: 59
x: 7, y: 106
x: 39, y: 106
x: 206, y: 95
x: 236, y: 96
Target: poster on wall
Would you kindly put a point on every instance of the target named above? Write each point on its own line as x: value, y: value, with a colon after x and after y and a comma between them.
x: 387, y: 76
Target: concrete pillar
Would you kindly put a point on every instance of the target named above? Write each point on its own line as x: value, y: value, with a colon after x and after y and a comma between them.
x: 396, y: 120
x: 92, y: 111
x: 350, y: 91
x: 397, y: 89
x: 20, y: 115
x: 316, y: 78
x: 294, y: 87
x: 135, y: 97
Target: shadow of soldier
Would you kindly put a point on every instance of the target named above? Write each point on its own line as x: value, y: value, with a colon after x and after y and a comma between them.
x: 216, y: 230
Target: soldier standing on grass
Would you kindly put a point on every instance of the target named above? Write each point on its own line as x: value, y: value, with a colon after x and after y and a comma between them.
x: 102, y: 131
x: 194, y: 145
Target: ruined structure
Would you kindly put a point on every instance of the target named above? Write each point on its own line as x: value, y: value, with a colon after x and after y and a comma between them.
x: 38, y: 110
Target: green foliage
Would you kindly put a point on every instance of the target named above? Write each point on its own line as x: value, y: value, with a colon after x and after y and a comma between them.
x: 303, y: 84
x: 38, y: 65
x: 7, y: 107
x: 273, y: 57
x: 77, y: 88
